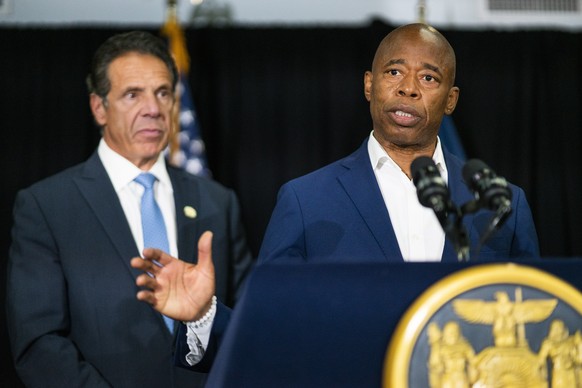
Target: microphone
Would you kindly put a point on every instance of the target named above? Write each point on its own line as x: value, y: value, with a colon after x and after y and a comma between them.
x: 431, y: 188
x: 433, y: 193
x: 491, y: 191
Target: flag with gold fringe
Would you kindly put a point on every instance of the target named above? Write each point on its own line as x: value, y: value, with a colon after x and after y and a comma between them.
x: 186, y: 148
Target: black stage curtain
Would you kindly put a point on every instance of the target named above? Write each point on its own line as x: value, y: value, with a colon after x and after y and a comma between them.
x: 277, y: 102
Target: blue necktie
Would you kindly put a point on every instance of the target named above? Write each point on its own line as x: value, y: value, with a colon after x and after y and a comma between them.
x: 152, y: 221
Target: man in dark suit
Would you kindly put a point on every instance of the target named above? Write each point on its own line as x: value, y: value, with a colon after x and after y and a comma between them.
x: 72, y: 315
x: 364, y: 208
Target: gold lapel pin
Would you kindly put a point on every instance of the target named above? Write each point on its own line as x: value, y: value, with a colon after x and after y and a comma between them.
x: 190, y: 212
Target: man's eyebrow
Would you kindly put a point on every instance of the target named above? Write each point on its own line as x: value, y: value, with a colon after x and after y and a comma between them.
x: 395, y: 62
x: 434, y: 68
x: 132, y: 89
x: 400, y: 61
x: 164, y: 86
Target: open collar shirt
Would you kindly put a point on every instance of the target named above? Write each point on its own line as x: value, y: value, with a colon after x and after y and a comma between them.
x: 418, y: 231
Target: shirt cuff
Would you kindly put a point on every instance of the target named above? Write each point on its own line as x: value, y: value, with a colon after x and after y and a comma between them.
x: 198, y: 335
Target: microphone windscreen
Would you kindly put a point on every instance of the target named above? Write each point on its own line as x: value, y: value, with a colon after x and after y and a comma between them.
x: 472, y: 167
x: 420, y: 164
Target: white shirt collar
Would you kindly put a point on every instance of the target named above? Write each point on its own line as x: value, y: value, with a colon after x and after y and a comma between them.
x: 122, y: 172
x: 379, y: 156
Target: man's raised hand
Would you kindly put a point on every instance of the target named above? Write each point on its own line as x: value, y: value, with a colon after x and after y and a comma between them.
x: 177, y: 289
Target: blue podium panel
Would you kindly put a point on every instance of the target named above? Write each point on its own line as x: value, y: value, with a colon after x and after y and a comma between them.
x: 326, y: 325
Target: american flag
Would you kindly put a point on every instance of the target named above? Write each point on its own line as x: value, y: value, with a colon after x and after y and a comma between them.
x: 186, y: 148
x: 189, y: 150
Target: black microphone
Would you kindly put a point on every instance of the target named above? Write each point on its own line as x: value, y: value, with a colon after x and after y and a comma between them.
x: 491, y: 191
x: 433, y: 193
x: 431, y: 188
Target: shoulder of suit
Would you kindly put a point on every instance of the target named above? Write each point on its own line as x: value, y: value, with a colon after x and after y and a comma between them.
x: 59, y: 179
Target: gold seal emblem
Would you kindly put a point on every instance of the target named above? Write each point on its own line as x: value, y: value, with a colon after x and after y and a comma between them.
x: 492, y: 325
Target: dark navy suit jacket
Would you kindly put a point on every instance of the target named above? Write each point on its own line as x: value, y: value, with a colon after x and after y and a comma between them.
x: 73, y: 316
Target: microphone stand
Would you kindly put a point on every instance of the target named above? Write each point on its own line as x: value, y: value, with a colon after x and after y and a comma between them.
x: 497, y: 219
x: 455, y: 230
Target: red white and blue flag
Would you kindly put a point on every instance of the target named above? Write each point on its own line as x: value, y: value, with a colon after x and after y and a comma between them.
x: 186, y: 148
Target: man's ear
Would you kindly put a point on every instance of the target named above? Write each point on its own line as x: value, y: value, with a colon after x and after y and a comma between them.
x: 98, y: 108
x: 452, y: 100
x: 368, y: 85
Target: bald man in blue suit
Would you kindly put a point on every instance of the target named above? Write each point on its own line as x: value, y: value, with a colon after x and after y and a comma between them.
x: 364, y: 207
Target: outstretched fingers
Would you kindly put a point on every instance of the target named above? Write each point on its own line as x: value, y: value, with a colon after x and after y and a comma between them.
x: 176, y: 288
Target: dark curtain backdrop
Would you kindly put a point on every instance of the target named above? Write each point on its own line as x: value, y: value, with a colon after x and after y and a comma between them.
x: 277, y: 102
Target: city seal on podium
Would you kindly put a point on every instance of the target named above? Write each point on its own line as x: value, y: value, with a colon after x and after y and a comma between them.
x: 490, y: 325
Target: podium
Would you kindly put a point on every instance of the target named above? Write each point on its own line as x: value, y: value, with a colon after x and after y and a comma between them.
x: 327, y: 325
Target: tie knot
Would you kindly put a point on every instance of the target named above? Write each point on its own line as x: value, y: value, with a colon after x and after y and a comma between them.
x: 146, y: 180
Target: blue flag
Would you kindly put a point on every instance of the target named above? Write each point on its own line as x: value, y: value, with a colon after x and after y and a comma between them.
x: 450, y: 138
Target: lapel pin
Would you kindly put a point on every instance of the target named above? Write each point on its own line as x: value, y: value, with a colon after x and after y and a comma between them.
x: 190, y: 212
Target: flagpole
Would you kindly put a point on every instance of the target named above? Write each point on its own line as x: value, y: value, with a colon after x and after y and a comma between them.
x: 171, y: 11
x: 186, y: 148
x: 173, y: 31
x: 176, y: 41
x: 421, y: 7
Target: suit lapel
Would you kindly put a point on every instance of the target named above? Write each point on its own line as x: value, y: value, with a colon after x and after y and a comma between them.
x: 360, y: 184
x: 95, y: 186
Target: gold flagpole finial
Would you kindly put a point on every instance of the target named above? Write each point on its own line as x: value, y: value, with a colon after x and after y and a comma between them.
x: 172, y: 10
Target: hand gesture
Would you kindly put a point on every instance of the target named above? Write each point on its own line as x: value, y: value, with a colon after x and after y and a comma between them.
x: 177, y: 289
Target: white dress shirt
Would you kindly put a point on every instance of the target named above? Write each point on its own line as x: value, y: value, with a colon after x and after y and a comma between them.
x: 122, y: 174
x: 418, y: 231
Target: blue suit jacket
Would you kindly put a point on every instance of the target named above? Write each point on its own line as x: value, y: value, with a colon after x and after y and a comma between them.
x: 73, y: 316
x: 337, y: 214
